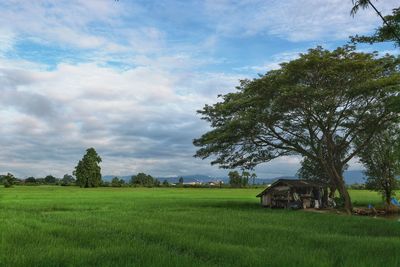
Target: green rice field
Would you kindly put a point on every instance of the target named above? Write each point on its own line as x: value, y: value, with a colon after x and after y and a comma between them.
x: 70, y: 226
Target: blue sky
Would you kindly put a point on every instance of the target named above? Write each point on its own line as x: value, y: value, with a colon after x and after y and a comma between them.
x: 127, y: 77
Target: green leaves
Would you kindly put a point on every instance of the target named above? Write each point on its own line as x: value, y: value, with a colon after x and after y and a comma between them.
x: 88, y: 171
x: 142, y: 179
x: 389, y: 31
x: 381, y: 158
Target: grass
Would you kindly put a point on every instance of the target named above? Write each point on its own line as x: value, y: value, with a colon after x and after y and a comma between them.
x: 69, y: 226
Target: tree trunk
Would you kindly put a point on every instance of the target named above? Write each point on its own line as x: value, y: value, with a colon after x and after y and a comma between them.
x: 325, y: 198
x: 339, y: 181
x: 346, y: 197
x: 332, y: 190
x: 388, y: 196
x: 388, y: 201
x: 335, y: 172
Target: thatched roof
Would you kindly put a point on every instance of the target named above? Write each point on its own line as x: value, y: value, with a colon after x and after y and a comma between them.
x: 296, y: 183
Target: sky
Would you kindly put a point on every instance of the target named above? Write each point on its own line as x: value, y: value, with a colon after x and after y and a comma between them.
x: 126, y: 77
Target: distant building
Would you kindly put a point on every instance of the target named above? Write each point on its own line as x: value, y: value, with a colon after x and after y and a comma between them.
x: 215, y: 183
x: 293, y: 193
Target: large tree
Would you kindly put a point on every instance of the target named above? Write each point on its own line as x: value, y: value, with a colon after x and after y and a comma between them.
x: 88, y: 171
x: 311, y: 106
x: 381, y: 159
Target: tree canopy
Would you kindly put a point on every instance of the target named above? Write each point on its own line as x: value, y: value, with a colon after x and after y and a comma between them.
x: 142, y: 179
x: 30, y: 180
x: 117, y: 182
x: 50, y: 179
x: 88, y: 171
x: 67, y: 180
x: 9, y: 180
x: 313, y: 106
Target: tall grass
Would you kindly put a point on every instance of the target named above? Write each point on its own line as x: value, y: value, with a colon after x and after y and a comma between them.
x: 69, y: 226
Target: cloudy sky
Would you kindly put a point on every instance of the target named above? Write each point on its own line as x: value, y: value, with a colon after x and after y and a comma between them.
x: 127, y: 77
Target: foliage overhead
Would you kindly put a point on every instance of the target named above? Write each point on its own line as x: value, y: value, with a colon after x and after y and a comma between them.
x: 390, y: 29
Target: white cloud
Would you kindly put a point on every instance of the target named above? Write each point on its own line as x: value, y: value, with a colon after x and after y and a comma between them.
x: 7, y: 41
x: 294, y: 20
x: 273, y: 63
x: 65, y: 22
x: 140, y: 115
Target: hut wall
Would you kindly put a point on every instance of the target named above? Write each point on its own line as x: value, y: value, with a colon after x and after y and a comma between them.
x: 266, y: 200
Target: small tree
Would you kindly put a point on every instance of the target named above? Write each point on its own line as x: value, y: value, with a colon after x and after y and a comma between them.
x: 234, y: 179
x: 50, y: 179
x: 142, y: 179
x: 180, y: 180
x: 115, y: 182
x: 30, y: 180
x: 165, y: 183
x: 381, y: 159
x: 88, y: 171
x: 253, y: 177
x: 67, y: 180
x: 9, y: 180
x: 245, y: 178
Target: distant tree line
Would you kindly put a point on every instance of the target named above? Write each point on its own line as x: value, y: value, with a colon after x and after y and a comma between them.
x: 140, y: 179
x: 9, y: 180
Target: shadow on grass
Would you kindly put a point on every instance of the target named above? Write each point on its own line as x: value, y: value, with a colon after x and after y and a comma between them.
x: 229, y: 205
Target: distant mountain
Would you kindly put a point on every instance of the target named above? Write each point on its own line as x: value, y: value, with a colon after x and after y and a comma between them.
x: 351, y: 177
x: 354, y: 177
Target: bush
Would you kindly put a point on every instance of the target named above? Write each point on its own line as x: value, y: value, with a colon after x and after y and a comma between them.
x: 8, y: 180
x: 142, y: 179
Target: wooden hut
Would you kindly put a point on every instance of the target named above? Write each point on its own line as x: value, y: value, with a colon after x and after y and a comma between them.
x: 293, y: 193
